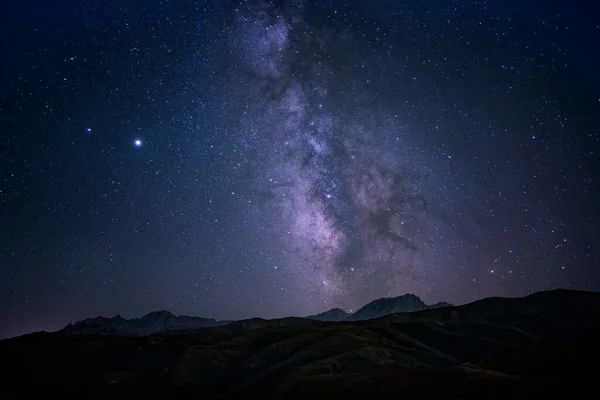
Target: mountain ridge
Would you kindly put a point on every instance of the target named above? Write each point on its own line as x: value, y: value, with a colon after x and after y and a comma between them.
x: 163, y: 321
x: 150, y: 323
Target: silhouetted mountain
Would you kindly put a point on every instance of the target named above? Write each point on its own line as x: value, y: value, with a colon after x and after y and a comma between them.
x: 538, y: 346
x: 385, y: 306
x: 162, y: 321
x: 333, y: 315
x: 154, y: 322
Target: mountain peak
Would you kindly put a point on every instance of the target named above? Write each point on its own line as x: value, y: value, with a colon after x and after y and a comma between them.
x: 333, y: 315
x: 389, y: 305
x: 158, y: 314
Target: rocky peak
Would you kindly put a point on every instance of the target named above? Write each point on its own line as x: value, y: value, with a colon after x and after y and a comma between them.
x: 390, y: 305
x: 333, y: 315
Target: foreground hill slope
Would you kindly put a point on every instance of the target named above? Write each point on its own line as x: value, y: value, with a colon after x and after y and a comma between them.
x: 496, y: 348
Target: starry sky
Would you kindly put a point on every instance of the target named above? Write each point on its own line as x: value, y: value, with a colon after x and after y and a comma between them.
x: 231, y: 159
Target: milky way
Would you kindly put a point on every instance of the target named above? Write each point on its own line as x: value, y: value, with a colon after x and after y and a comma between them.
x: 349, y: 198
x: 237, y: 159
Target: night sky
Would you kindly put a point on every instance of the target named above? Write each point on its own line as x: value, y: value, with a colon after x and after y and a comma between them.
x: 272, y: 158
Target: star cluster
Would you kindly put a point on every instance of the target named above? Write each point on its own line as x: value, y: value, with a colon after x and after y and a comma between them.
x: 271, y: 158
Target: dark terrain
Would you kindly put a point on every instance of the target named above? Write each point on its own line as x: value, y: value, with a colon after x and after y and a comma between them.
x: 545, y: 344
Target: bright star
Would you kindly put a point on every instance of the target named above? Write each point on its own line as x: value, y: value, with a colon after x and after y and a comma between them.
x: 137, y: 142
x: 88, y: 129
